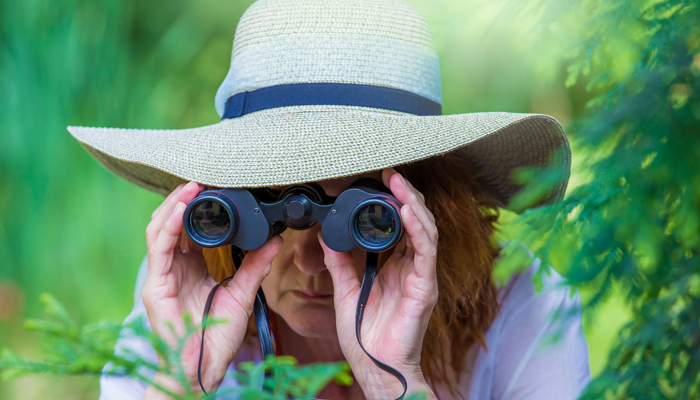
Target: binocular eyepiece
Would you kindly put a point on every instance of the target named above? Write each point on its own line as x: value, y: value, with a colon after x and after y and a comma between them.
x: 365, y: 215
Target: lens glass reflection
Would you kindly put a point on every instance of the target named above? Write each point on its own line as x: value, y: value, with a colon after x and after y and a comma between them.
x: 375, y: 224
x: 210, y: 220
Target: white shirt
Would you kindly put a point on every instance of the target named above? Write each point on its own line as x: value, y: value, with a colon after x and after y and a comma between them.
x: 520, y: 361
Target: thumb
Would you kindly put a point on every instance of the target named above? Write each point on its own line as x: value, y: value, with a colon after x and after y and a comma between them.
x: 255, y: 267
x: 343, y: 273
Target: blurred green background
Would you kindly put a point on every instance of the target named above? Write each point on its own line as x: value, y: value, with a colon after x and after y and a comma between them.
x: 71, y: 228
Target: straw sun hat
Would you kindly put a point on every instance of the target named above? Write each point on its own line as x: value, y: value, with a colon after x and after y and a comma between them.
x: 322, y: 89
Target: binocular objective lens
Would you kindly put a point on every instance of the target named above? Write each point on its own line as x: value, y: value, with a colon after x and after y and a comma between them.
x: 375, y: 224
x: 210, y: 220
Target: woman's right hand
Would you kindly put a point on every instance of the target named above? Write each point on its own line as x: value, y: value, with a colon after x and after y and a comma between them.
x: 179, y: 282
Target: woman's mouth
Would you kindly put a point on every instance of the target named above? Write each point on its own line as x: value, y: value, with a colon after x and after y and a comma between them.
x: 309, y: 295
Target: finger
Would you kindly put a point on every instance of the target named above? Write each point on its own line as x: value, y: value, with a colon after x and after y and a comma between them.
x: 408, y: 249
x: 416, y: 198
x: 341, y: 266
x: 186, y: 195
x: 402, y: 246
x: 426, y: 218
x: 157, y: 215
x: 255, y: 267
x: 186, y: 190
x: 160, y: 255
x: 387, y: 173
x: 413, y: 188
x: 168, y: 199
x: 422, y: 200
x: 407, y: 194
x: 424, y: 248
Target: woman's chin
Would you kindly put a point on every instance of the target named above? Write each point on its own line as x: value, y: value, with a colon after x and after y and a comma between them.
x: 312, y: 321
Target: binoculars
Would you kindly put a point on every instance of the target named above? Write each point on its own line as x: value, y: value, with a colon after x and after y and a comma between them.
x: 365, y: 215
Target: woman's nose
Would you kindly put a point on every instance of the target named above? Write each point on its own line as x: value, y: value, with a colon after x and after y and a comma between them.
x: 308, y: 253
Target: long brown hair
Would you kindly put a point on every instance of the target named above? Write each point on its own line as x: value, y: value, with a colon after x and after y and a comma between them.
x: 467, y: 300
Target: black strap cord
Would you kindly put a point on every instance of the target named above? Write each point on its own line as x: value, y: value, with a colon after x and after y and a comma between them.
x: 365, y: 289
x: 262, y: 317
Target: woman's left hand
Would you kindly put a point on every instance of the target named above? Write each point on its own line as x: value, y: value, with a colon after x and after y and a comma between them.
x: 399, y: 307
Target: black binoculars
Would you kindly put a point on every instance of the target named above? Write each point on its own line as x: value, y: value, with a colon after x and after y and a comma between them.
x: 365, y: 215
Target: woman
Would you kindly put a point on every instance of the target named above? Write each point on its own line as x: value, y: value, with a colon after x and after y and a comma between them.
x: 329, y: 92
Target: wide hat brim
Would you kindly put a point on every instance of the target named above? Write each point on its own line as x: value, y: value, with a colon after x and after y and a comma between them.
x: 297, y: 144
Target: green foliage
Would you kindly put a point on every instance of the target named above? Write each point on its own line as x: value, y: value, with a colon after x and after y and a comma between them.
x: 67, y: 225
x: 70, y: 350
x: 70, y: 227
x: 634, y: 225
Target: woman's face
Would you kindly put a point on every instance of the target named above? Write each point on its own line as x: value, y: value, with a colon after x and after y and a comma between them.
x: 299, y: 287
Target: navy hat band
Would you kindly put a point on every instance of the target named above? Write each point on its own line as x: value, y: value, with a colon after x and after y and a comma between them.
x: 341, y: 94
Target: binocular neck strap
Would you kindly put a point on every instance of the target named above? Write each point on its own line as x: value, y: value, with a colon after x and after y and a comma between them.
x: 365, y: 289
x: 260, y: 311
x: 262, y: 317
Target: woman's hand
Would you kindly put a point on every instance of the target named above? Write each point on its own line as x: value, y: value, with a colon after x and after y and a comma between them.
x: 399, y: 307
x: 178, y: 282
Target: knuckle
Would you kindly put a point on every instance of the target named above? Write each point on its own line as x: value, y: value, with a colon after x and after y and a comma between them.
x: 171, y: 227
x: 147, y: 297
x: 168, y: 226
x: 432, y: 253
x: 151, y: 251
x: 434, y: 297
x: 152, y: 227
x: 150, y: 233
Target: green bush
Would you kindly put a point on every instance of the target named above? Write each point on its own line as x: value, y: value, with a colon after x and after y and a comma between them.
x: 634, y: 225
x: 70, y: 350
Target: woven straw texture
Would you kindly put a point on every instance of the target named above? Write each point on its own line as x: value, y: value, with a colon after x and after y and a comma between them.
x: 350, y: 41
x: 266, y: 20
x: 371, y: 42
x: 288, y: 145
x: 333, y: 57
